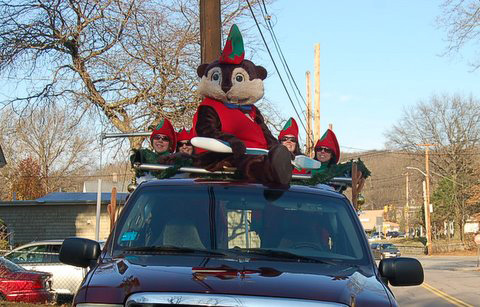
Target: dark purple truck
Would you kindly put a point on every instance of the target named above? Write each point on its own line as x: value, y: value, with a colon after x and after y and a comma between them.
x: 196, y: 242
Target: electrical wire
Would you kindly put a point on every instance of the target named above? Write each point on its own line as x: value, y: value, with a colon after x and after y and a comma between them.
x: 279, y: 51
x: 284, y: 63
x: 276, y: 68
x: 291, y: 79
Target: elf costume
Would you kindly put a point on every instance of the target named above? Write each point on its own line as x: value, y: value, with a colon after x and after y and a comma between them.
x: 148, y: 156
x: 328, y: 140
x: 230, y: 86
x: 291, y: 128
x: 184, y: 135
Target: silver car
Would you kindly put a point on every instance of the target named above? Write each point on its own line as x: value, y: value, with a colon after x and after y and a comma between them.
x: 43, y: 256
x: 384, y: 250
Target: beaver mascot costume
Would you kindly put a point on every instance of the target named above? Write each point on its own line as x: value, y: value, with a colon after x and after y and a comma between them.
x: 230, y: 87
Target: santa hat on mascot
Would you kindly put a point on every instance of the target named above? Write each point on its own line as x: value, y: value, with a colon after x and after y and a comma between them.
x: 290, y: 128
x: 329, y: 140
x: 166, y: 128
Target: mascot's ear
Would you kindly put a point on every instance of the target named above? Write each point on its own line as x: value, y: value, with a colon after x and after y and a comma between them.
x: 261, y: 72
x: 201, y: 69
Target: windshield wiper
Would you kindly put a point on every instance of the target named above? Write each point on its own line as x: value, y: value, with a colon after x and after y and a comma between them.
x: 278, y: 254
x: 172, y: 249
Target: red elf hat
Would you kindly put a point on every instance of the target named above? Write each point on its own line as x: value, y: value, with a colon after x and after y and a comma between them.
x: 329, y: 140
x: 233, y: 52
x: 184, y: 135
x: 165, y: 127
x: 290, y: 127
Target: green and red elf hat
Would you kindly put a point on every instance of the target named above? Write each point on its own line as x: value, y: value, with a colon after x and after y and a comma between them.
x: 166, y: 128
x: 290, y: 127
x: 184, y: 135
x: 233, y: 52
x: 329, y: 140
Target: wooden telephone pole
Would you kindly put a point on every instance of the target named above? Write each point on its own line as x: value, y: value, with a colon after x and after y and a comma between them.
x: 309, y: 115
x: 428, y: 221
x: 210, y: 30
x: 407, y: 206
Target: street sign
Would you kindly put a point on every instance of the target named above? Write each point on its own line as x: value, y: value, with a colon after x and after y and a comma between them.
x: 477, y: 238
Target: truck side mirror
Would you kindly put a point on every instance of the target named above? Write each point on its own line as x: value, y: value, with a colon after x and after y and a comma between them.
x: 402, y: 271
x: 79, y: 252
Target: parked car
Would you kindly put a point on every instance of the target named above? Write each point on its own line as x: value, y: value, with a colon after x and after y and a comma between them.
x: 375, y: 236
x: 395, y: 234
x: 392, y: 234
x: 384, y: 250
x: 193, y: 241
x: 20, y: 285
x: 43, y: 256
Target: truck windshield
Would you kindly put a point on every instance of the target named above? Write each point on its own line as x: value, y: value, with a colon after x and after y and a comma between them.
x: 236, y: 219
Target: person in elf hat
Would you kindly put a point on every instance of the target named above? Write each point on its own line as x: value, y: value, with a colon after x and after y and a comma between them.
x: 288, y: 137
x: 327, y: 151
x: 183, y: 142
x: 163, y: 142
x: 163, y: 138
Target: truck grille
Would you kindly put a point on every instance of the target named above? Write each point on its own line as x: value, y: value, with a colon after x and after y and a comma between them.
x: 149, y: 299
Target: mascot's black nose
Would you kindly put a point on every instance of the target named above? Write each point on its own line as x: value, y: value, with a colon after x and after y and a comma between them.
x: 226, y: 85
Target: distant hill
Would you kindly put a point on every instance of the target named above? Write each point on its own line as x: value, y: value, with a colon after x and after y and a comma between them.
x: 387, y: 183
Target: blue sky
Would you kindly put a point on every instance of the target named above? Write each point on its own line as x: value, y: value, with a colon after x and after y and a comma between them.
x: 377, y: 58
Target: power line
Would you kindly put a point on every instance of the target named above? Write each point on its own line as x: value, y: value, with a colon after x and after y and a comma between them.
x: 290, y: 77
x: 276, y: 68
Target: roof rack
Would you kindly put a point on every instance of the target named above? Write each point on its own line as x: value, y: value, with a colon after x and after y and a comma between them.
x: 356, y: 181
x: 340, y: 181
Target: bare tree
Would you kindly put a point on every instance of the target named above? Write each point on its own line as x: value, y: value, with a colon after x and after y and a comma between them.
x: 133, y: 60
x: 60, y: 142
x: 461, y: 20
x: 9, y: 142
x: 452, y: 123
x: 56, y: 138
x: 28, y: 182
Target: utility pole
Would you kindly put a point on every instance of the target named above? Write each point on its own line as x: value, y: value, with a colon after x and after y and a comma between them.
x: 210, y: 30
x: 309, y: 114
x: 428, y: 225
x: 317, y: 94
x: 407, y: 209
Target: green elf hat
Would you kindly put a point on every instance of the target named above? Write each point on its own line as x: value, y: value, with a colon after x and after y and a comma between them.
x: 233, y: 52
x: 166, y: 128
x: 329, y: 140
x: 290, y: 127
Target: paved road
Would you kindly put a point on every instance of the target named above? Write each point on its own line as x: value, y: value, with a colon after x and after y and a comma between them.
x: 449, y: 281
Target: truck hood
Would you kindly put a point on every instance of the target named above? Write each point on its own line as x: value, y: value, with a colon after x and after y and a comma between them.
x: 311, y: 281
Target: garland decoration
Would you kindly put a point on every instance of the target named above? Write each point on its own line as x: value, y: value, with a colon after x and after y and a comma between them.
x: 337, y: 170
x: 142, y: 156
x: 180, y: 161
